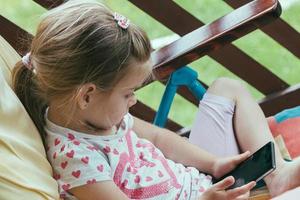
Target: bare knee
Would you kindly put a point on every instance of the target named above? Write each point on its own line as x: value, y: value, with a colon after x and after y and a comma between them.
x: 229, y: 88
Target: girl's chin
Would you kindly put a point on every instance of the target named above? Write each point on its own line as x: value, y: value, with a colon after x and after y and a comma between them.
x: 120, y: 122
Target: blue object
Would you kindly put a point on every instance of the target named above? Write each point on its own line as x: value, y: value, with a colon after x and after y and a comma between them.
x: 287, y: 114
x: 184, y: 76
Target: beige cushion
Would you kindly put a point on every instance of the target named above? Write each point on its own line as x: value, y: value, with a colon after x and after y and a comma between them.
x: 25, y: 172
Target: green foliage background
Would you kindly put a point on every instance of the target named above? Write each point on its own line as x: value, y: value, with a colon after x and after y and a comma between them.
x: 258, y: 45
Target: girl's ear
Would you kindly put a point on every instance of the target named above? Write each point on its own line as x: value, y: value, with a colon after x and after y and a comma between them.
x: 85, y: 94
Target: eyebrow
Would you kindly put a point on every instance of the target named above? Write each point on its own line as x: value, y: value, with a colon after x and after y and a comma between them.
x: 140, y: 85
x: 133, y: 88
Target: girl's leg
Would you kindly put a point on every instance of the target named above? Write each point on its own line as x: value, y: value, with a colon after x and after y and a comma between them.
x: 250, y: 125
x: 212, y: 129
x: 252, y: 132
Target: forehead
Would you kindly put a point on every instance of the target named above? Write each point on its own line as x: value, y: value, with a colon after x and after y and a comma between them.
x: 136, y: 75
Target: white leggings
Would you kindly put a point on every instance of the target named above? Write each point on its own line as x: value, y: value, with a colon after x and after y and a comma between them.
x: 212, y: 129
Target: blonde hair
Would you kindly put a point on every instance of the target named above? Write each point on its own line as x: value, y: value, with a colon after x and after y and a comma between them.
x: 77, y: 42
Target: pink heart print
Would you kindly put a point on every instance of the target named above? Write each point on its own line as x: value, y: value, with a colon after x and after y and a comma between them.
x: 137, y: 179
x: 148, y: 178
x: 85, y: 160
x: 64, y: 164
x: 56, y: 176
x: 106, y: 149
x: 76, y: 142
x: 70, y: 154
x: 116, y: 152
x: 76, y: 174
x: 160, y: 174
x: 91, y: 181
x: 71, y: 136
x: 62, y: 148
x: 92, y: 148
x: 56, y: 141
x: 100, y: 168
x: 65, y: 187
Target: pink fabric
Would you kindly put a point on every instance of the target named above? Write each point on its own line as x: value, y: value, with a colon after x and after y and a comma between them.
x: 289, y: 129
x: 212, y: 129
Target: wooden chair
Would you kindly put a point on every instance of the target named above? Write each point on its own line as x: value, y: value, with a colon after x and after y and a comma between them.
x: 214, y: 39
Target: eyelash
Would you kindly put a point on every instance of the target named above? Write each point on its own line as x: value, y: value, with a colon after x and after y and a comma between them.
x: 129, y: 95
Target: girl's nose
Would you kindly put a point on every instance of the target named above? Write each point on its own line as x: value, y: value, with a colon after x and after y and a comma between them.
x: 132, y: 101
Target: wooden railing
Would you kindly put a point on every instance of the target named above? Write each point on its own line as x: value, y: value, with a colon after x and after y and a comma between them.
x: 213, y: 39
x: 279, y: 30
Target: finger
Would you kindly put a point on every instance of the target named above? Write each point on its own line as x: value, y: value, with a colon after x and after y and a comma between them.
x: 241, y: 157
x: 223, y: 184
x: 239, y: 191
x: 244, y: 196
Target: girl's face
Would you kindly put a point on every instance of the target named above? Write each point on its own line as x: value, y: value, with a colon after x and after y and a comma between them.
x: 107, y: 109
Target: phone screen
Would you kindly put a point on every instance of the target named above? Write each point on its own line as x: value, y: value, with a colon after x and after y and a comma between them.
x: 254, y: 168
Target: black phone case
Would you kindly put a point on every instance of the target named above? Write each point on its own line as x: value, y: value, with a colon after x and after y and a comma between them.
x: 254, y: 168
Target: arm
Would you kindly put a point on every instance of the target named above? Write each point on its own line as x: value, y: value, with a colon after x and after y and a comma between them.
x: 106, y: 190
x: 175, y: 147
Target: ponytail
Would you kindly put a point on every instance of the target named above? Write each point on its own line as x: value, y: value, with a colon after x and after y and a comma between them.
x: 23, y: 83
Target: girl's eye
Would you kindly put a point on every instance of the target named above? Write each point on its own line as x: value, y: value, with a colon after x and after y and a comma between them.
x: 129, y: 95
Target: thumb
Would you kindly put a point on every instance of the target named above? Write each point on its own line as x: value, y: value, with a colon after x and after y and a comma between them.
x: 223, y: 184
x: 241, y: 157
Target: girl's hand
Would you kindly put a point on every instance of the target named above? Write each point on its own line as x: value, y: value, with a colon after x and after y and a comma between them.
x: 225, y: 165
x: 218, y: 192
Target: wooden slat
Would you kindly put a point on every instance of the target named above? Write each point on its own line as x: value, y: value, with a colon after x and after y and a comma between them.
x: 278, y: 101
x: 250, y: 71
x: 169, y: 14
x: 187, y: 94
x: 248, y: 18
x: 279, y: 30
x: 14, y: 35
x: 49, y: 3
x: 146, y: 113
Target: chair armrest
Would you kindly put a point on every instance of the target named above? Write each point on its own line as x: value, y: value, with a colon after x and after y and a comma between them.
x: 207, y: 38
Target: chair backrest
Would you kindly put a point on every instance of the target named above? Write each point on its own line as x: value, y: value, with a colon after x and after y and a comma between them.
x: 25, y: 172
x: 261, y: 14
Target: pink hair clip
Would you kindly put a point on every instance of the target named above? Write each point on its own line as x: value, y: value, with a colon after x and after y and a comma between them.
x: 123, y: 22
x: 26, y: 61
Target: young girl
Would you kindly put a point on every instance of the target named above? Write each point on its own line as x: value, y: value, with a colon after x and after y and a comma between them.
x: 78, y: 82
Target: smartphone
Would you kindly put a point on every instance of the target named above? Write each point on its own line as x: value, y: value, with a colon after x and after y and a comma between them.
x: 254, y: 168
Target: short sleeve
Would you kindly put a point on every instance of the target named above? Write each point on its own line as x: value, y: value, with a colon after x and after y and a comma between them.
x: 77, y: 163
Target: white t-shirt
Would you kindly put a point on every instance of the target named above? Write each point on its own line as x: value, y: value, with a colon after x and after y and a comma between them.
x: 135, y: 165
